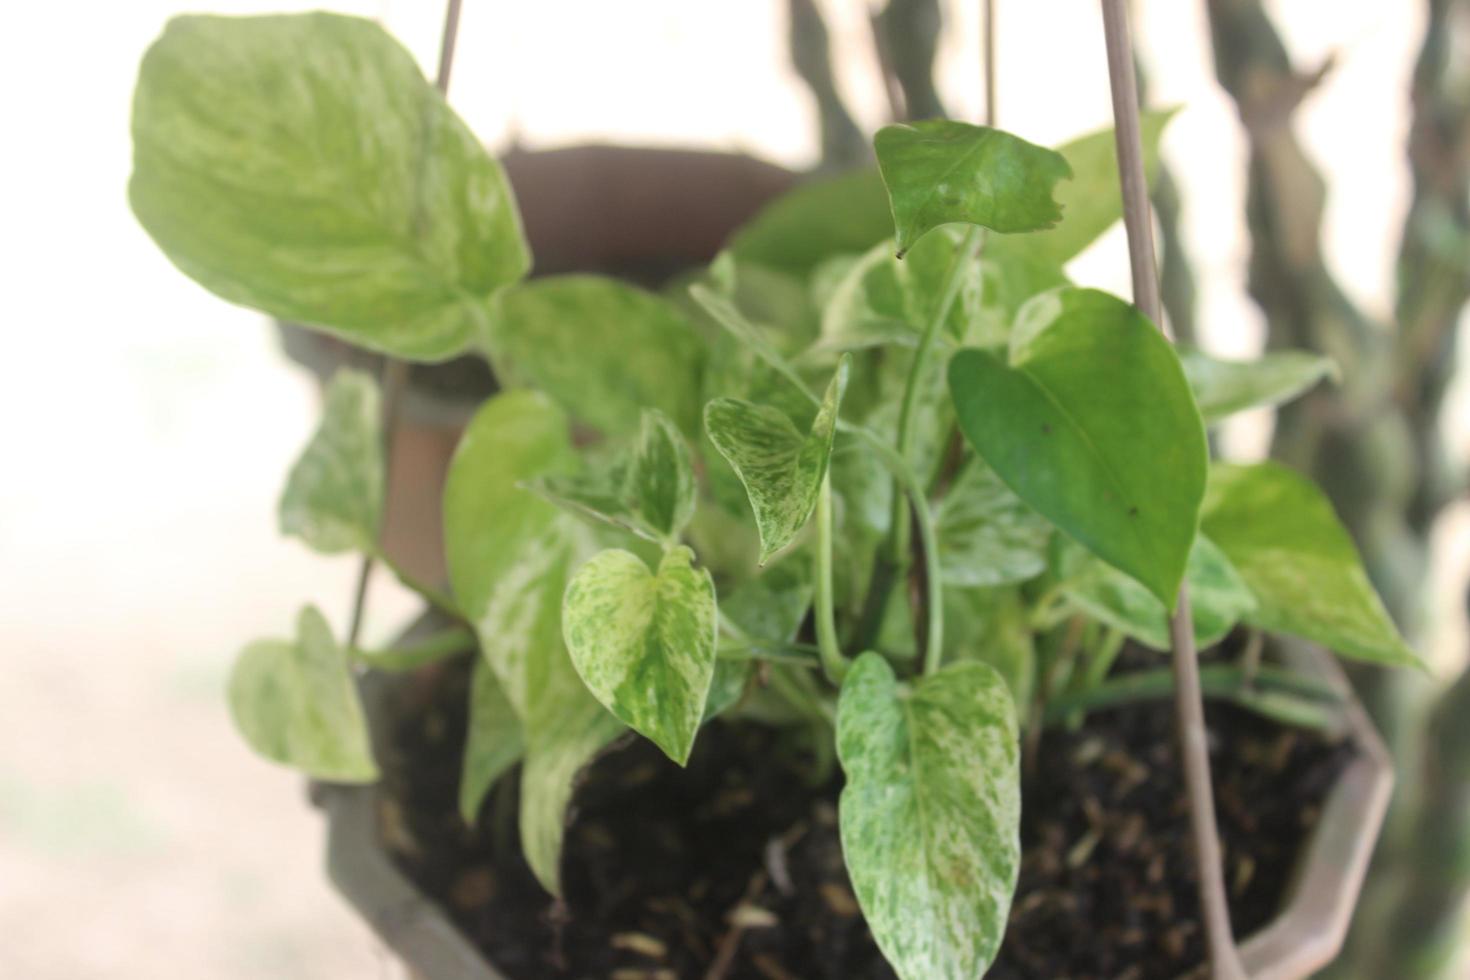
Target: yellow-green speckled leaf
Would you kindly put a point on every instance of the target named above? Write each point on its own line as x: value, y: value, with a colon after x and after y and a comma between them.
x: 1281, y: 534
x: 295, y: 702
x: 930, y: 816
x: 644, y: 643
x: 781, y: 469
x: 939, y: 171
x: 334, y: 496
x: 988, y: 535
x: 303, y: 166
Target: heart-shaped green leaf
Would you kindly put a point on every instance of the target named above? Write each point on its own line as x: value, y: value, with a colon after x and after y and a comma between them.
x: 1281, y: 534
x: 603, y: 349
x: 644, y: 644
x: 1222, y: 388
x: 493, y: 744
x: 987, y: 535
x: 334, y: 496
x: 1091, y: 201
x: 938, y: 171
x: 1093, y: 425
x: 930, y: 816
x: 782, y: 470
x: 295, y: 702
x: 509, y: 555
x: 820, y: 218
x: 302, y: 165
x: 1218, y: 596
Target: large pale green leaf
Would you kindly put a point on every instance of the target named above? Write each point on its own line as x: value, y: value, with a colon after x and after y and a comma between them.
x: 1224, y: 387
x: 334, y: 496
x: 494, y: 743
x: 930, y: 816
x: 1091, y: 201
x: 295, y: 702
x: 987, y: 535
x: 1218, y: 597
x: 940, y: 171
x: 645, y: 644
x: 1092, y: 424
x: 1281, y: 534
x: 510, y: 554
x: 782, y: 470
x: 302, y: 165
x: 819, y: 219
x: 603, y: 349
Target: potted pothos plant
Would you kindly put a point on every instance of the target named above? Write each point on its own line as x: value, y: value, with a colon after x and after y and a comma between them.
x: 877, y: 510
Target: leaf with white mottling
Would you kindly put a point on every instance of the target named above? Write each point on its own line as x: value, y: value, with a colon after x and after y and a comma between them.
x: 1222, y: 388
x: 295, y: 702
x: 930, y: 816
x: 768, y: 609
x: 1281, y: 534
x: 303, y: 166
x: 334, y: 496
x: 782, y: 471
x: 1218, y: 597
x: 661, y: 482
x: 988, y: 535
x: 939, y: 171
x: 493, y: 744
x: 644, y: 644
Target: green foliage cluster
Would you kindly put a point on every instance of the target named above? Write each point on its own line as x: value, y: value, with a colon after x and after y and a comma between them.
x: 885, y: 381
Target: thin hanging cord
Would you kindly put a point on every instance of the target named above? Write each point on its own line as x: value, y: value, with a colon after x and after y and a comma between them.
x: 988, y: 48
x: 393, y: 377
x: 1188, y: 705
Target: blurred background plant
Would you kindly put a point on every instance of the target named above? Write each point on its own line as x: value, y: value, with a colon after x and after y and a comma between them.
x: 1316, y: 194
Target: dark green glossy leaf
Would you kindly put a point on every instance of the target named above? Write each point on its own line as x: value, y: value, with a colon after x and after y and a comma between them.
x: 1281, y: 534
x: 819, y: 219
x: 334, y: 496
x: 295, y: 702
x: 303, y: 166
x: 930, y: 816
x: 1218, y: 597
x: 1091, y: 201
x: 782, y: 470
x: 1224, y: 387
x: 603, y: 349
x: 940, y: 171
x: 644, y: 643
x: 987, y: 535
x: 1089, y: 412
x: 493, y: 744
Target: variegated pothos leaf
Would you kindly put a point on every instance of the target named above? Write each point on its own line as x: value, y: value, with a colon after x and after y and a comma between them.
x: 644, y: 644
x: 494, y: 743
x: 334, y: 496
x: 930, y: 816
x: 782, y: 470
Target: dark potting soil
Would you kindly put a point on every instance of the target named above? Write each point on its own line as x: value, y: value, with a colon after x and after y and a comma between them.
x: 736, y: 859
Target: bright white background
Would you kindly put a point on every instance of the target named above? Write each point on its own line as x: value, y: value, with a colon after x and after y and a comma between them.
x: 145, y: 426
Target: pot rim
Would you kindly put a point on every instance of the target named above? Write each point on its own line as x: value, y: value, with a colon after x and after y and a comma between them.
x: 1304, y: 936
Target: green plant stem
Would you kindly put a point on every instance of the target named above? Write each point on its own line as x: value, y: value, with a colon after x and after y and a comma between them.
x: 436, y: 646
x: 1272, y: 690
x: 808, y: 702
x: 772, y: 654
x: 834, y: 664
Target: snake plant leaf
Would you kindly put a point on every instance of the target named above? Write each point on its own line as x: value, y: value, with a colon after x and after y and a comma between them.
x: 295, y: 702
x: 1281, y: 534
x: 782, y: 470
x: 334, y: 496
x: 302, y: 165
x: 1091, y: 201
x: 815, y: 221
x: 930, y: 816
x: 1083, y: 423
x: 494, y: 742
x: 940, y: 171
x: 602, y: 349
x: 987, y: 535
x: 1218, y: 596
x: 510, y: 554
x: 645, y: 643
x: 1222, y: 387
